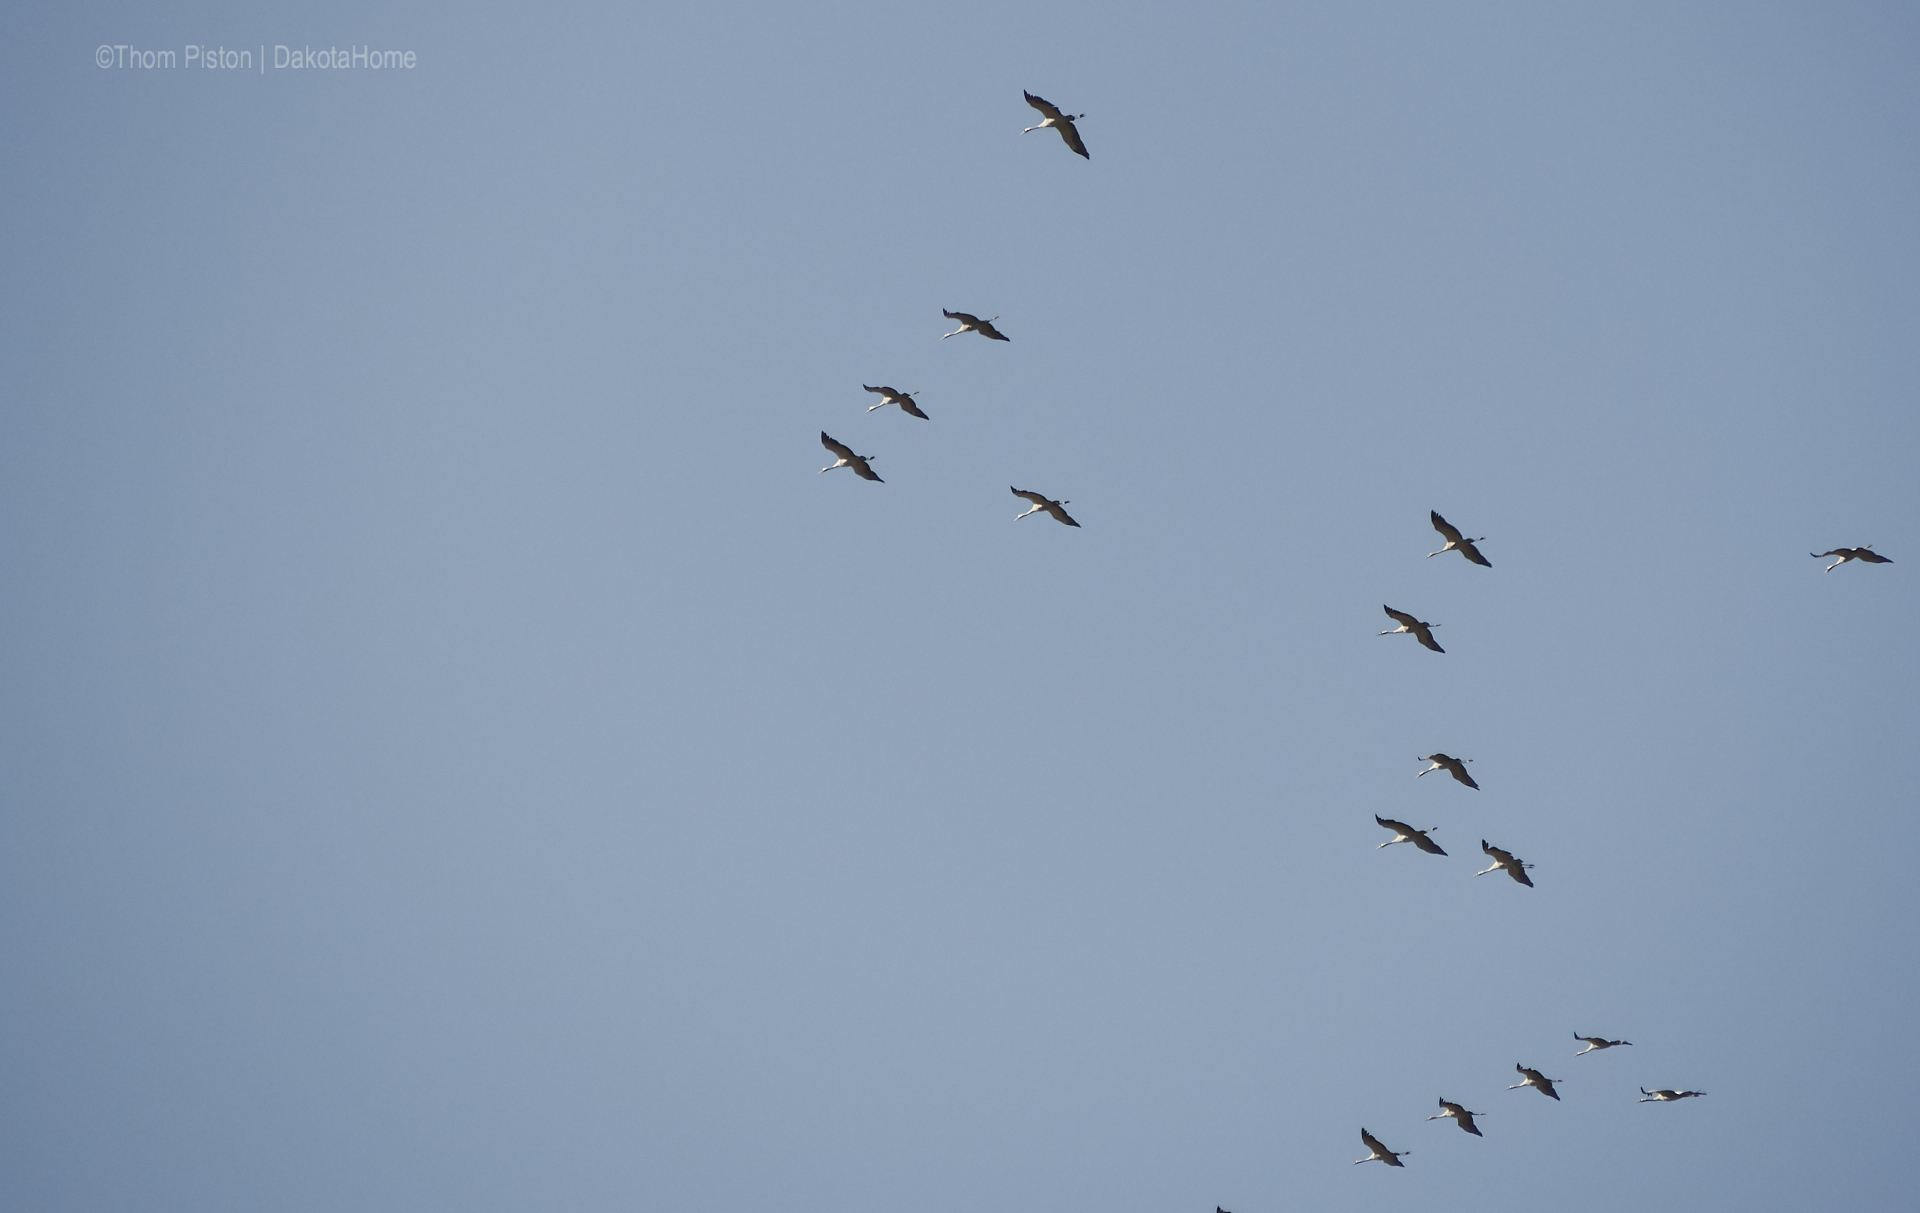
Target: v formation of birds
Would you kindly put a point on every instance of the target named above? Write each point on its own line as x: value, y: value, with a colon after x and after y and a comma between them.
x: 1502, y: 860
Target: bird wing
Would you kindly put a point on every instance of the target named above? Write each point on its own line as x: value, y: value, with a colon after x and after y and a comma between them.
x: 1458, y: 770
x: 1043, y: 105
x: 1400, y: 827
x: 908, y: 406
x: 962, y: 317
x: 1465, y: 1121
x: 862, y: 470
x: 1519, y: 872
x: 879, y: 391
x: 840, y: 449
x: 986, y: 329
x: 1546, y: 1086
x: 1824, y: 555
x: 1473, y: 553
x: 1499, y: 856
x: 1038, y: 499
x: 1053, y: 507
x: 1426, y: 844
x: 1071, y: 134
x: 1592, y: 1040
x: 1373, y: 1143
x: 1871, y: 557
x: 1400, y: 617
x: 1447, y: 529
x: 1425, y: 637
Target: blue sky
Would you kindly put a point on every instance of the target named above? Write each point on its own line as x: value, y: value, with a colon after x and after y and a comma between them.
x: 459, y: 754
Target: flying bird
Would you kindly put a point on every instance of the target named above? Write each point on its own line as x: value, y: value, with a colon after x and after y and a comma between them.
x: 1456, y: 767
x: 1402, y: 832
x: 1866, y: 554
x: 1505, y: 859
x: 1455, y: 543
x: 1064, y: 123
x: 1538, y: 1081
x: 1042, y: 502
x: 1460, y: 1115
x: 903, y: 399
x: 1597, y: 1043
x: 845, y: 458
x: 1378, y: 1152
x: 1666, y: 1096
x: 973, y: 324
x: 1422, y: 631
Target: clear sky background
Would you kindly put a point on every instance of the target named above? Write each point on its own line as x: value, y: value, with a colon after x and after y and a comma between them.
x: 459, y: 755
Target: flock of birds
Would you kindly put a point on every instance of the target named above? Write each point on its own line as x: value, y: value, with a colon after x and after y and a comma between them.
x: 1503, y: 860
x: 1053, y: 118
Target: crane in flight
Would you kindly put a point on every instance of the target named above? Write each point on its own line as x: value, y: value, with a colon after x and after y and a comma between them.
x: 1597, y: 1043
x: 973, y: 324
x: 1647, y: 1096
x: 1456, y: 542
x: 1504, y: 859
x: 1042, y: 502
x: 1064, y: 123
x: 1421, y: 630
x: 1456, y: 767
x: 1379, y: 1153
x: 1538, y: 1081
x: 1402, y: 832
x: 845, y: 458
x: 1460, y: 1115
x: 903, y: 399
x: 1866, y: 554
